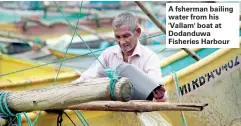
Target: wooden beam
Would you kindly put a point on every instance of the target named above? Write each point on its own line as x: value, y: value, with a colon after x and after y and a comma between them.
x: 163, y: 28
x: 137, y: 106
x: 67, y: 95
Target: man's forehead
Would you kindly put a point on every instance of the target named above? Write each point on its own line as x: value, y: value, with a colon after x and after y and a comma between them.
x: 122, y: 33
x: 122, y: 30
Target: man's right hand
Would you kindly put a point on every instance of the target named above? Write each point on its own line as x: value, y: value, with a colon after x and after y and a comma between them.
x: 159, y: 94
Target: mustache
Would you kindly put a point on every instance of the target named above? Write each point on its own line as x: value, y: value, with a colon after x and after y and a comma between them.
x: 125, y: 45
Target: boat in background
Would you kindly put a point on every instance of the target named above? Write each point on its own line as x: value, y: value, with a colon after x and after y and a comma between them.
x: 13, y: 46
x: 34, y: 78
x: 35, y: 23
x: 21, y: 49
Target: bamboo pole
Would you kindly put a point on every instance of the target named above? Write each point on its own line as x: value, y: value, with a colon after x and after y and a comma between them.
x: 67, y: 95
x: 137, y: 106
x: 163, y: 28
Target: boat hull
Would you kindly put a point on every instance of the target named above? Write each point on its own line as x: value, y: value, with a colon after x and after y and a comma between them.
x: 215, y: 83
x: 31, y: 79
x: 221, y: 90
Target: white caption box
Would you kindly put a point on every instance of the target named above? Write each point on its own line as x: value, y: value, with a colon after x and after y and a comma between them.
x: 202, y: 25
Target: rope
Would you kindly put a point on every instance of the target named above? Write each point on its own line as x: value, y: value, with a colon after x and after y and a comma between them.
x: 152, y: 36
x: 111, y: 73
x: 77, y: 113
x: 3, y: 99
x: 79, y: 117
x: 67, y: 51
x: 30, y: 123
x: 37, y: 40
x: 60, y: 118
x: 7, y: 113
x: 78, y: 34
x: 174, y: 75
x: 3, y: 96
x: 68, y: 45
x: 45, y: 64
x: 69, y: 118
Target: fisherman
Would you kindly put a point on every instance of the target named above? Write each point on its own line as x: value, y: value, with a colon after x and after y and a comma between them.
x: 128, y: 50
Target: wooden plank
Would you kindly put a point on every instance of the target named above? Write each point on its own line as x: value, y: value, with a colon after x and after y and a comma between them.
x: 137, y: 106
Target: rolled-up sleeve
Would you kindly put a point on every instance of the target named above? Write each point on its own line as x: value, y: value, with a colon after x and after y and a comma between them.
x: 153, y: 69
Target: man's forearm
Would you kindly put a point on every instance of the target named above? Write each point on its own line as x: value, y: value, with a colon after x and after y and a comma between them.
x: 79, y: 80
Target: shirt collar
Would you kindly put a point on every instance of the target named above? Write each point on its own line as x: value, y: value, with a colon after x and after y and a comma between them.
x: 137, y: 50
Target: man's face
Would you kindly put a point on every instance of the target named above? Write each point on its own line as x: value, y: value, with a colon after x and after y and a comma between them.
x: 126, y: 38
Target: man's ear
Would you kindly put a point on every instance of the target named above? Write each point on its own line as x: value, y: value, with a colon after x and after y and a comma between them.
x: 138, y: 32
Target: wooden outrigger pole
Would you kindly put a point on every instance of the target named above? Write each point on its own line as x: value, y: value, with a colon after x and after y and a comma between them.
x: 163, y: 28
x: 69, y: 94
x: 137, y: 106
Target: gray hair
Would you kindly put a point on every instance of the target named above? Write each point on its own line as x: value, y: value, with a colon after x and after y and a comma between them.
x: 125, y: 18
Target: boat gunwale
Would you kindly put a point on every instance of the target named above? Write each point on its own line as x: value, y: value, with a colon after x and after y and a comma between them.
x: 223, y: 52
x: 70, y: 73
